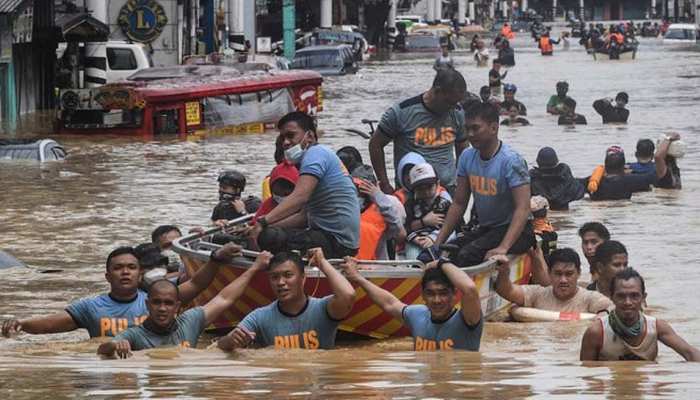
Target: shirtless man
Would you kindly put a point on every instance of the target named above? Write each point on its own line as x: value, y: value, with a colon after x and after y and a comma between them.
x: 627, y: 333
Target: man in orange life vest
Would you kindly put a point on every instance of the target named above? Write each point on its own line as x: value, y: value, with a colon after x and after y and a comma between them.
x: 382, y: 216
x: 545, y: 44
x: 125, y: 305
x: 437, y: 325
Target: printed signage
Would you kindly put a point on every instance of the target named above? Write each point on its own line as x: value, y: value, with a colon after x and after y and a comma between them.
x: 142, y: 20
x: 192, y: 115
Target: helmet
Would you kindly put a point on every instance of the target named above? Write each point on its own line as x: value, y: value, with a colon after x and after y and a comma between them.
x: 232, y: 178
x: 509, y: 87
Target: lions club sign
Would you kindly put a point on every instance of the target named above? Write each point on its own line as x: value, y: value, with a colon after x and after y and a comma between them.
x: 142, y: 20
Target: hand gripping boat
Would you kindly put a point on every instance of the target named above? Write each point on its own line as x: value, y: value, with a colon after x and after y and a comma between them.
x: 400, y: 277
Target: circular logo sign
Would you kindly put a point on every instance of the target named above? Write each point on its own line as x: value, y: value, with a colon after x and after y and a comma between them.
x: 142, y: 20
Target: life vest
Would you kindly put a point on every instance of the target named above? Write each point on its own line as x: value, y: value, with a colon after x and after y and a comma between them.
x: 546, y: 45
x: 266, y: 192
x: 617, y: 37
x: 372, y: 227
x: 507, y: 32
x: 596, y: 178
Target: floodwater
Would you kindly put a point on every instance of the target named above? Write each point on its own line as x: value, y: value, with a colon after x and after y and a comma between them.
x: 114, y: 191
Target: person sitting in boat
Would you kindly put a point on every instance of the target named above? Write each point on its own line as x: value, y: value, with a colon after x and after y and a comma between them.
x: 613, y: 113
x: 164, y: 327
x: 350, y: 157
x: 429, y: 124
x: 669, y: 149
x: 497, y: 176
x: 569, y: 115
x: 627, y: 333
x: 615, y: 40
x: 163, y: 237
x: 645, y: 158
x: 425, y: 209
x: 436, y: 325
x: 495, y: 78
x: 546, y: 44
x: 592, y: 235
x: 382, y: 216
x: 610, y: 258
x: 231, y: 204
x: 444, y: 60
x: 506, y: 54
x: 322, y: 210
x: 283, y: 180
x: 613, y: 183
x: 555, y: 105
x: 554, y: 180
x: 294, y: 319
x: 514, y: 118
x: 564, y: 294
x: 124, y: 306
x: 509, y: 91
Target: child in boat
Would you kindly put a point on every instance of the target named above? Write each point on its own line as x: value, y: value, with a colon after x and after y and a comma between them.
x: 541, y: 225
x: 231, y: 204
x: 426, y: 208
x: 283, y: 180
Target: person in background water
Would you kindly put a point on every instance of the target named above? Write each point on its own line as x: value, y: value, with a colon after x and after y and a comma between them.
x: 486, y: 97
x: 425, y: 209
x: 436, y: 325
x: 592, y: 235
x: 568, y: 115
x: 154, y: 265
x: 495, y: 78
x: 509, y: 91
x: 322, y: 210
x: 645, y: 158
x: 444, y: 60
x: 231, y: 205
x: 613, y: 113
x: 382, y: 216
x: 614, y: 184
x: 514, y: 119
x: 669, y: 149
x: 546, y: 44
x: 555, y: 105
x: 497, y: 177
x: 283, y: 180
x: 163, y: 237
x: 554, y: 180
x: 429, y: 124
x: 610, y: 258
x: 506, y: 54
x: 124, y: 306
x: 295, y: 320
x: 564, y: 294
x: 164, y: 327
x: 627, y: 333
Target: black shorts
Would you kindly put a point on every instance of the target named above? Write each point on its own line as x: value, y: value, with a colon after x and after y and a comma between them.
x: 276, y: 239
x: 474, y: 245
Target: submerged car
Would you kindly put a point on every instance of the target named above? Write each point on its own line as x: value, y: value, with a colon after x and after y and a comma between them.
x: 681, y: 33
x: 326, y: 60
x: 31, y: 149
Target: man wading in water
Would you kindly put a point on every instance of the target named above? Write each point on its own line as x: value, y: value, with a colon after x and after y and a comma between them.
x: 164, y: 327
x: 627, y: 333
x: 437, y: 325
x: 125, y: 305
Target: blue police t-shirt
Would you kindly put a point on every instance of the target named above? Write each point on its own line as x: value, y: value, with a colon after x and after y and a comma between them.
x: 312, y: 328
x: 491, y: 182
x: 105, y: 316
x: 333, y: 206
x: 188, y: 326
x: 643, y: 168
x: 452, y: 334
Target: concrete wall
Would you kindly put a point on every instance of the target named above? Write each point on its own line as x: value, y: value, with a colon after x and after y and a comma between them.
x: 165, y: 46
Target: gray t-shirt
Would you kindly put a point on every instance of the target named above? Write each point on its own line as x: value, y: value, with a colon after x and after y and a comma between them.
x: 188, y: 326
x: 453, y: 334
x: 312, y: 328
x: 413, y: 127
x: 333, y: 206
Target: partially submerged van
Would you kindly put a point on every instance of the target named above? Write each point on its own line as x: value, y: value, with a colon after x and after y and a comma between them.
x: 326, y: 60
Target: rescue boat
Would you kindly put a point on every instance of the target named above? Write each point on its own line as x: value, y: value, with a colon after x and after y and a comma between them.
x: 400, y: 277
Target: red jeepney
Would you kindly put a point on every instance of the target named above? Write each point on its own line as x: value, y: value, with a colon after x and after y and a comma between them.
x: 190, y: 100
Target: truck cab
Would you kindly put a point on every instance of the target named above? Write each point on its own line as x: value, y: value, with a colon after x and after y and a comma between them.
x: 124, y: 59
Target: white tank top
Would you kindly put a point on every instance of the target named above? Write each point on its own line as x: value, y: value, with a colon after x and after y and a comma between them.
x: 616, y: 349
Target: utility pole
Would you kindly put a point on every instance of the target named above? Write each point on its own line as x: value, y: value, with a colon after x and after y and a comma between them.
x: 288, y: 22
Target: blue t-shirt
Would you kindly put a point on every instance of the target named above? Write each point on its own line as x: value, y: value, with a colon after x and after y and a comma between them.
x: 104, y: 316
x: 312, y: 329
x: 415, y: 128
x: 452, y: 334
x: 188, y: 326
x: 643, y: 168
x: 333, y: 206
x: 491, y: 182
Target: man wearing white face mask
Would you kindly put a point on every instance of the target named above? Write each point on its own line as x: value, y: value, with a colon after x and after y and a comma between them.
x: 322, y: 210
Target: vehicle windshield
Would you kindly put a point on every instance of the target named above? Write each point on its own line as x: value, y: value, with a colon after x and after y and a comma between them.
x: 317, y: 59
x: 423, y: 42
x: 680, y: 34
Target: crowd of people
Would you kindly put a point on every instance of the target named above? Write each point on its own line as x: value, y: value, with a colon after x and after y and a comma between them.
x: 326, y: 204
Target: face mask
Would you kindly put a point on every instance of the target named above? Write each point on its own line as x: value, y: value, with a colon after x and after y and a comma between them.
x: 295, y: 153
x: 225, y: 196
x: 278, y: 199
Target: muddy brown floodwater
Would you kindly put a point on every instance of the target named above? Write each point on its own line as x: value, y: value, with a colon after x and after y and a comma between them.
x: 114, y: 191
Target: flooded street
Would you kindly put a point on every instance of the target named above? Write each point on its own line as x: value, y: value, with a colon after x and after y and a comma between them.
x: 115, y: 191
